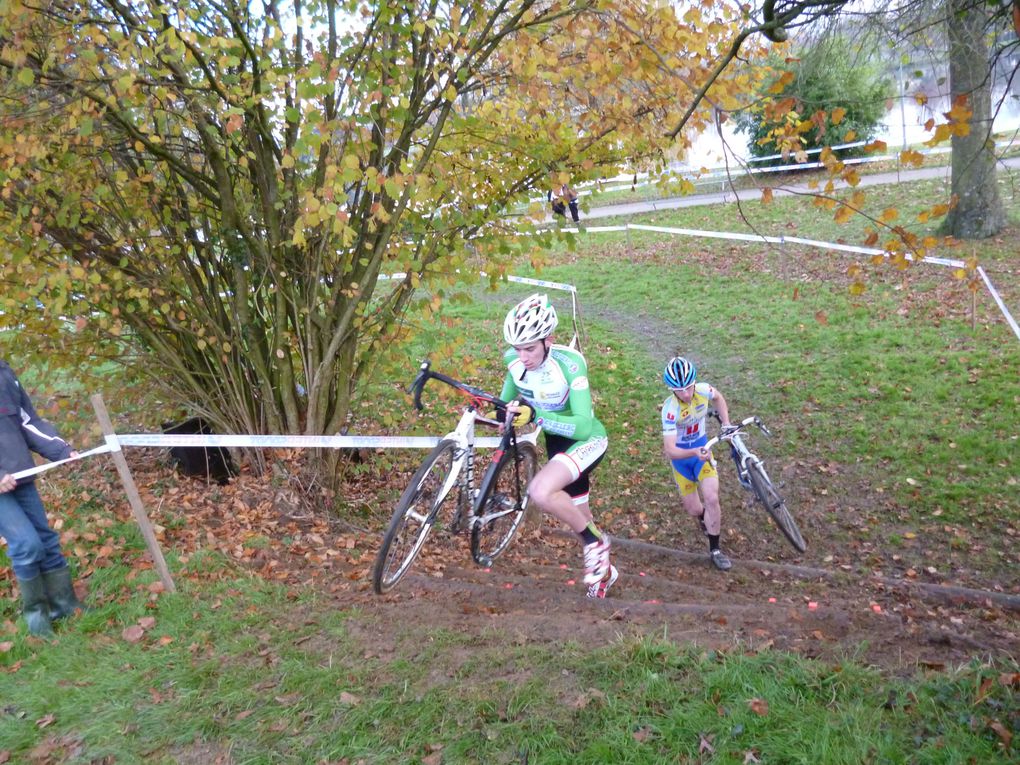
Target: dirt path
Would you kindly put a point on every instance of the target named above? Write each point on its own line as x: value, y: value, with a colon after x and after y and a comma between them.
x: 533, y: 594
x: 845, y: 596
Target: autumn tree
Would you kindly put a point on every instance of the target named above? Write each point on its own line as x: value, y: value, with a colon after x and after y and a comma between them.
x: 218, y: 189
x: 834, y: 90
x: 977, y: 211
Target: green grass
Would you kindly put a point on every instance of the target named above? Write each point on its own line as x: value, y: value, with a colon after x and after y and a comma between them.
x: 248, y: 672
x: 797, y: 216
x: 242, y: 667
x: 890, y: 394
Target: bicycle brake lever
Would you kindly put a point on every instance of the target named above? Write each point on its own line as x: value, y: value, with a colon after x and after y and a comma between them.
x: 761, y: 427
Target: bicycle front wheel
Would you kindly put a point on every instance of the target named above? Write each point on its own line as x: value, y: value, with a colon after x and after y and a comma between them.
x: 502, y: 501
x: 414, y: 517
x: 775, y: 505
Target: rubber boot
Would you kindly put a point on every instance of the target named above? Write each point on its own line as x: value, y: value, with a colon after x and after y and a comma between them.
x: 36, y: 607
x: 60, y: 592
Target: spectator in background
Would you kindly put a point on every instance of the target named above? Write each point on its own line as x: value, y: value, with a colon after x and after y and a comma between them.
x: 44, y: 578
x: 563, y: 196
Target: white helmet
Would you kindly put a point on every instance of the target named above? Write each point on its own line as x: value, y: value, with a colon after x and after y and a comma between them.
x: 532, y: 319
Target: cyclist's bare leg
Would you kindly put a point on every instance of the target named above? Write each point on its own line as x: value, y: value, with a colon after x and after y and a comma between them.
x: 692, y: 504
x: 547, y: 491
x: 713, y: 513
x: 584, y: 509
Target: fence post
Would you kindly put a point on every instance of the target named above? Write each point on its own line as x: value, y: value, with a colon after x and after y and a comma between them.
x: 134, y: 498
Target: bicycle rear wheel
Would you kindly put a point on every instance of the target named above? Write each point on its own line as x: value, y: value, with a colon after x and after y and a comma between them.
x: 414, y: 517
x: 775, y: 505
x: 502, y: 501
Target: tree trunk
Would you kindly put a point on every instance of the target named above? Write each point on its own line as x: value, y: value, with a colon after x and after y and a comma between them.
x: 978, y: 212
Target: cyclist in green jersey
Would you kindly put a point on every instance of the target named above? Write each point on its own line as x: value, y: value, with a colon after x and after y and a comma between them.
x: 549, y: 383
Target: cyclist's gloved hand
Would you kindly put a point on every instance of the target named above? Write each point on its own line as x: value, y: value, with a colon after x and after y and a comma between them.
x: 523, y: 415
x: 729, y: 428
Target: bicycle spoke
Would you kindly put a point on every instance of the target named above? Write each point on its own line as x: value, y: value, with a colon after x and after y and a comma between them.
x: 775, y: 505
x: 502, y: 501
x: 414, y: 517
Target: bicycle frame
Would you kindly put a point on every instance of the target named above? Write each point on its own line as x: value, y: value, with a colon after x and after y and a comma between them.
x: 744, y: 455
x: 753, y: 477
x: 462, y: 472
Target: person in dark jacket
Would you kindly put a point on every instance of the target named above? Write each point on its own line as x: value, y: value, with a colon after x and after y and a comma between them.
x: 44, y: 578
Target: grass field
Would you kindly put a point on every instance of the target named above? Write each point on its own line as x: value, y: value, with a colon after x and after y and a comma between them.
x: 890, y: 402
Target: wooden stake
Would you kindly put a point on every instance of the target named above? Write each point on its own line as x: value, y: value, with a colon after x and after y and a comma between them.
x: 134, y: 498
x: 973, y: 310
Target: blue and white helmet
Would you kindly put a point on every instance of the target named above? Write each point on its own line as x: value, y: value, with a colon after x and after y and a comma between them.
x: 534, y: 318
x: 679, y: 373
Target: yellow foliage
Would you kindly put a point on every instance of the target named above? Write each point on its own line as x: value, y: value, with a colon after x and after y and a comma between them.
x: 843, y: 214
x: 912, y: 158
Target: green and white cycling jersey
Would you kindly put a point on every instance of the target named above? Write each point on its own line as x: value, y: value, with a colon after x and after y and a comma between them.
x: 557, y: 391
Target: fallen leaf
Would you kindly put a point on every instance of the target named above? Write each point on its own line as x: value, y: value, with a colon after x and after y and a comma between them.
x: 147, y: 622
x: 750, y: 757
x: 759, y: 706
x: 587, y: 697
x: 644, y: 733
x: 349, y: 698
x: 984, y: 689
x: 133, y: 634
x: 245, y: 713
x: 4, y: 648
x: 705, y: 743
x: 45, y: 720
x: 1002, y: 732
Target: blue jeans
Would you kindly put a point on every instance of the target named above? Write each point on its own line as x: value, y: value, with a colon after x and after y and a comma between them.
x: 32, y: 545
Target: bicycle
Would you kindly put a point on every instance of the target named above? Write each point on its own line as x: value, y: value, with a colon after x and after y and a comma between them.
x: 493, y: 511
x: 753, y: 477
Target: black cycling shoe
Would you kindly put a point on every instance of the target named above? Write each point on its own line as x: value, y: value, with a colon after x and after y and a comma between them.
x: 720, y: 561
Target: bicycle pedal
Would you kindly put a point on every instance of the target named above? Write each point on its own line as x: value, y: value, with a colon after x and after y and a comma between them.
x: 484, y: 560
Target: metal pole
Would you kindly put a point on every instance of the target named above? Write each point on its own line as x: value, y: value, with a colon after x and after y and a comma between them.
x: 903, y: 113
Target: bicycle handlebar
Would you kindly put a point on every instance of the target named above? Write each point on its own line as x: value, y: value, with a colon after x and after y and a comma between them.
x: 425, y: 374
x: 737, y: 429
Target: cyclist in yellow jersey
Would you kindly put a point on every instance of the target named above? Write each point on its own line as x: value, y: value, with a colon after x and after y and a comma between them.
x: 549, y: 383
x: 683, y: 441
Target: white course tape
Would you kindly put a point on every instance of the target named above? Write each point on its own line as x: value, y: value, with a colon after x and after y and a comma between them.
x: 867, y: 250
x: 540, y: 283
x: 998, y: 300
x: 708, y: 234
x: 165, y: 440
x: 50, y: 465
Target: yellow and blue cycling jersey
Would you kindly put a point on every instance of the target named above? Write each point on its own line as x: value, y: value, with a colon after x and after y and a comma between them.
x: 687, y: 422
